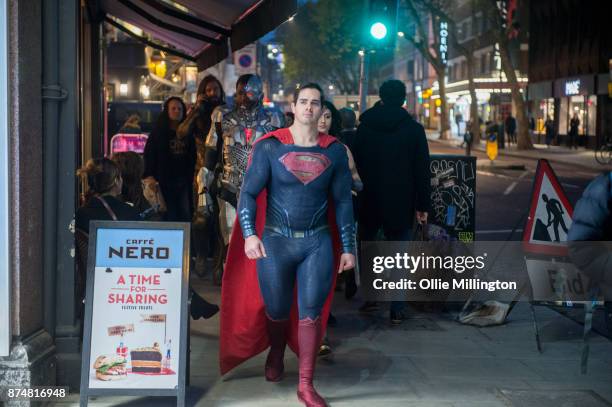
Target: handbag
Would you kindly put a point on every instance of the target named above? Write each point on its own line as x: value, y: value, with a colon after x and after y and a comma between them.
x: 153, y: 195
x: 425, y: 246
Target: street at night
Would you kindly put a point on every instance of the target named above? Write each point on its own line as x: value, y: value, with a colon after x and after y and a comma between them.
x: 319, y: 203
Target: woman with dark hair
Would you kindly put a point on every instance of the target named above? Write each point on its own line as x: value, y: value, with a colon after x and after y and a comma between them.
x: 331, y: 123
x: 102, y: 201
x: 170, y: 162
x: 104, y: 183
x: 131, y: 166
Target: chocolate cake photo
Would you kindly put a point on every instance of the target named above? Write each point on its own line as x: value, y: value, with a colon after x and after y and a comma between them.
x: 146, y: 360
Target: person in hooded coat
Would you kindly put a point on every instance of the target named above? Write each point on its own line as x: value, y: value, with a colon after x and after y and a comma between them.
x: 590, y: 236
x: 392, y: 158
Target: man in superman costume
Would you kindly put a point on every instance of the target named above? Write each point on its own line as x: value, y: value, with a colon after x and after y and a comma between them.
x: 297, y: 191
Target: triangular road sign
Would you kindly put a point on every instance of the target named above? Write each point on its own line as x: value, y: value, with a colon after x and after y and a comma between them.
x: 550, y: 214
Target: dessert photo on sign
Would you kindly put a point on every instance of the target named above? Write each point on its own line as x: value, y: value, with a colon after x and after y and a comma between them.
x: 148, y: 360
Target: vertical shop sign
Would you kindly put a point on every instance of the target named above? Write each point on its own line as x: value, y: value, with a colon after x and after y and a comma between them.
x: 443, y: 41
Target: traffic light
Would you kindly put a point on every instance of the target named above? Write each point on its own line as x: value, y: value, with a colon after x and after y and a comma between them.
x: 382, y: 23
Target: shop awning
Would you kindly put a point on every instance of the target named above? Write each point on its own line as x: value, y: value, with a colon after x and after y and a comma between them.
x: 197, y: 29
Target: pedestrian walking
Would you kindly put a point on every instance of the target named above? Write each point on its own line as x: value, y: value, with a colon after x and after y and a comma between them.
x: 573, y: 132
x: 510, y: 127
x: 458, y: 121
x: 331, y: 123
x: 349, y: 130
x: 392, y: 157
x: 228, y: 145
x: 302, y: 171
x: 501, y: 136
x: 347, y: 136
x: 549, y: 128
x: 197, y: 125
x: 467, y: 138
x: 532, y: 126
x: 170, y: 162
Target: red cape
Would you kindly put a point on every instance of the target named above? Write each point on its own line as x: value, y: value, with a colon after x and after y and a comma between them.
x: 243, y: 331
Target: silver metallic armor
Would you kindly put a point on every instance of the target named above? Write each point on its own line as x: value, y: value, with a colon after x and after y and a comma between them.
x: 234, y: 132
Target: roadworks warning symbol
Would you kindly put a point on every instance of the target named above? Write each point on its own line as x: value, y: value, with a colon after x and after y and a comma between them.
x: 550, y: 214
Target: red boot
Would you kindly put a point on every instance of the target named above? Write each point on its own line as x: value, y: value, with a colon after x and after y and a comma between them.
x: 277, y: 332
x: 309, y: 339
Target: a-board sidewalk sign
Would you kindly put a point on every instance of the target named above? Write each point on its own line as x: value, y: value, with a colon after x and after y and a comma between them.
x: 453, y: 197
x: 135, y: 333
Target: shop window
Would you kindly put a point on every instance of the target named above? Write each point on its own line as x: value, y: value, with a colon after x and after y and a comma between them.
x: 577, y: 108
x: 546, y: 109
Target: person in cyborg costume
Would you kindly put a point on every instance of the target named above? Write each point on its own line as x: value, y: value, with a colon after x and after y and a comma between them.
x: 228, y: 145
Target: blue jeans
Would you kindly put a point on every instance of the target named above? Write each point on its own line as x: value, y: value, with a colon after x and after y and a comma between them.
x: 401, y: 235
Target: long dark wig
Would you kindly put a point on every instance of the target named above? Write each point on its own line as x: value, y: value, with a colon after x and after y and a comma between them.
x: 207, y: 79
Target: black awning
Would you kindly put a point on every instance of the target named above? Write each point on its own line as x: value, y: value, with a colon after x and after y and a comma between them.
x: 198, y: 29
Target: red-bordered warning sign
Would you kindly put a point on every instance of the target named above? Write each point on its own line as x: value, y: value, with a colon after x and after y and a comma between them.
x: 550, y: 214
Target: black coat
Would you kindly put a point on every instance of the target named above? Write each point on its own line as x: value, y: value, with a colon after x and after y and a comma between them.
x: 167, y: 168
x: 592, y: 223
x: 95, y: 210
x: 392, y: 158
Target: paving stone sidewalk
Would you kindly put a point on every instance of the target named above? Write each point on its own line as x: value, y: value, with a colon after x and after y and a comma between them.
x: 430, y: 360
x: 583, y: 158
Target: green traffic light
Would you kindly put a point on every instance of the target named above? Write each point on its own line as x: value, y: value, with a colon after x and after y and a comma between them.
x: 378, y: 30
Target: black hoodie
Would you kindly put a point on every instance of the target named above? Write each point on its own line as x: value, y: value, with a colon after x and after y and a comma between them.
x: 392, y: 158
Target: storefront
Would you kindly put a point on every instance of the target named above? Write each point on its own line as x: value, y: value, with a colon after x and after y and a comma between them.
x: 581, y: 97
x: 541, y: 107
x: 576, y: 99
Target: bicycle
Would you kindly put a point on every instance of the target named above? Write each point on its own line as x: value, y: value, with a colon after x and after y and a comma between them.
x: 603, y: 155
